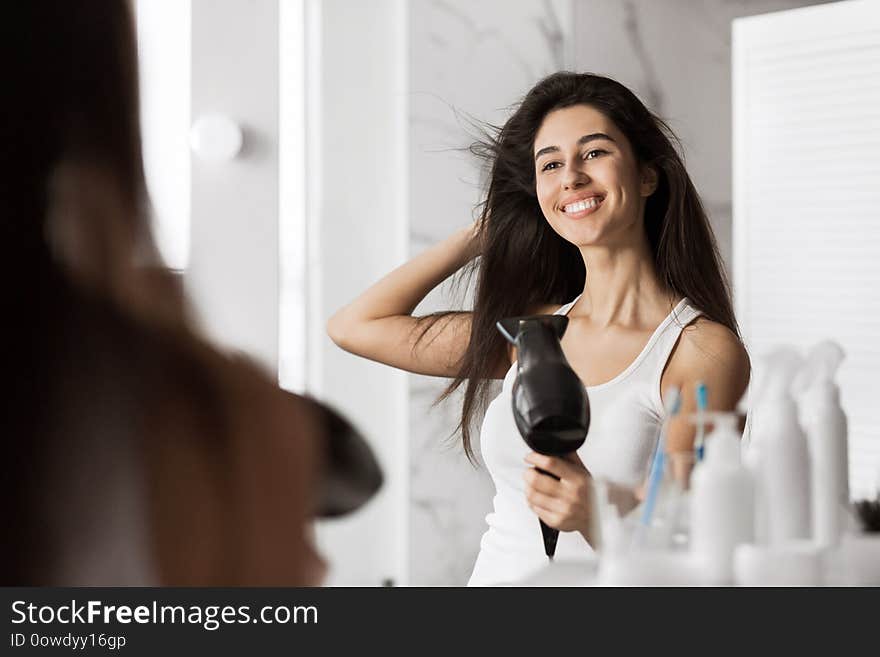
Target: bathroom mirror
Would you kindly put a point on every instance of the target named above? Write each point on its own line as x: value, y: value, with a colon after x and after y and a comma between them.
x: 439, y: 65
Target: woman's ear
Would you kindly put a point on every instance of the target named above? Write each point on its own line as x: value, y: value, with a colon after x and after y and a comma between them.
x: 649, y: 180
x: 88, y: 226
x: 91, y: 230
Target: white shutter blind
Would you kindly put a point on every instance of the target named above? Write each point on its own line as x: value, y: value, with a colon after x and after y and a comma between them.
x: 806, y: 189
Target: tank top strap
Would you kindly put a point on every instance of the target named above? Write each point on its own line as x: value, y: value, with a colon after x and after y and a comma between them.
x: 563, y: 310
x: 682, y: 315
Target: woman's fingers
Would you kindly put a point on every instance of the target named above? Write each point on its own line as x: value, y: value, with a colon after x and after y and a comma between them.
x: 541, y: 482
x: 546, y: 508
x: 561, y: 503
x: 554, y: 465
x: 574, y: 459
x: 544, y: 501
x: 550, y: 518
x: 569, y: 469
x: 555, y: 512
x: 552, y: 495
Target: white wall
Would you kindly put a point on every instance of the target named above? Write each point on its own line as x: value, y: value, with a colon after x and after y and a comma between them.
x: 164, y: 36
x: 233, y: 271
x: 357, y: 229
x: 807, y: 268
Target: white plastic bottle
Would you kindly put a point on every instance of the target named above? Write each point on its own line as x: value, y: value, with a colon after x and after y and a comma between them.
x: 722, y: 502
x: 778, y: 455
x: 825, y: 424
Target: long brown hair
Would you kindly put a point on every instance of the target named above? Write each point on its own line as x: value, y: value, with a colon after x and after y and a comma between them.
x: 525, y: 263
x: 73, y: 100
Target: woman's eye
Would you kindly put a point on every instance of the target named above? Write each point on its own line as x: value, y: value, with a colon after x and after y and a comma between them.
x: 596, y: 152
x: 551, y: 165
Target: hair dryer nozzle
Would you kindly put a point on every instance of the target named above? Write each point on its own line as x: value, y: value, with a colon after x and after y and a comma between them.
x: 351, y: 475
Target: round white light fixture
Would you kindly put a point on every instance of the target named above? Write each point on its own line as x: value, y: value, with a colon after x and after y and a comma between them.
x: 215, y: 138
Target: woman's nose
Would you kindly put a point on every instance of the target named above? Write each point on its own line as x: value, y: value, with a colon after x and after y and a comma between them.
x: 574, y: 177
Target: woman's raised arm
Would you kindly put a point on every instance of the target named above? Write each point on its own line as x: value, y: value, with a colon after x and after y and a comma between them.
x: 379, y: 324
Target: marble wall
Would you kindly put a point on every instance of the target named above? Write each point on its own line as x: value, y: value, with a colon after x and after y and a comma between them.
x: 476, y: 59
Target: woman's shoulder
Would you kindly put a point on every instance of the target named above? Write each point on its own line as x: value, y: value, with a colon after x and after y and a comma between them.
x: 706, y: 334
x: 711, y: 352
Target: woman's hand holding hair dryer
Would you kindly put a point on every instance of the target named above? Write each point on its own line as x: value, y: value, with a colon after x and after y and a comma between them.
x: 566, y: 504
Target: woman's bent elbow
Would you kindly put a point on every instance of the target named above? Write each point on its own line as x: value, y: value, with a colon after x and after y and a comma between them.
x: 336, y: 330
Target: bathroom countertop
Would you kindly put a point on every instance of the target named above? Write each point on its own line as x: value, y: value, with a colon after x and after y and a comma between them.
x: 563, y: 573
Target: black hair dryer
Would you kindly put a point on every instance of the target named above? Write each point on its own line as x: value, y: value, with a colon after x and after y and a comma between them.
x: 351, y: 474
x: 550, y: 404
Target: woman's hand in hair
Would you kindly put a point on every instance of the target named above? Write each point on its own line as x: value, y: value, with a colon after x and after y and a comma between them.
x: 567, y: 504
x: 379, y: 324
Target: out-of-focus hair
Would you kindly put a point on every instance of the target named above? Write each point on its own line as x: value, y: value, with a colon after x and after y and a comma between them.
x: 98, y: 356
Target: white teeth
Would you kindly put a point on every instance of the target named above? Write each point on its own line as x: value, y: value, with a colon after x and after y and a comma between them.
x: 580, y: 206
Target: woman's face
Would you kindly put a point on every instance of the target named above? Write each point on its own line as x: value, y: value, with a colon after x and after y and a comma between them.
x: 589, y: 185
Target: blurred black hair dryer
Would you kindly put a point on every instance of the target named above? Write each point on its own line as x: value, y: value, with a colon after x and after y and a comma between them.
x: 351, y: 473
x: 550, y: 404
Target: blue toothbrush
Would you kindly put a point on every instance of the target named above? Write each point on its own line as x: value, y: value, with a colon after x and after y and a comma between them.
x: 702, y: 405
x: 673, y: 404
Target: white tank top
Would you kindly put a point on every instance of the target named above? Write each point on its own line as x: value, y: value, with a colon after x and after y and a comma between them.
x: 625, y: 417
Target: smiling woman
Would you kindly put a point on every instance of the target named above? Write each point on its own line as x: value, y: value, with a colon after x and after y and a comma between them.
x: 582, y: 178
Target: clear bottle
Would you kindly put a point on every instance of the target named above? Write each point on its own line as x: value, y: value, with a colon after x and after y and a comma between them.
x: 669, y: 527
x: 721, y: 501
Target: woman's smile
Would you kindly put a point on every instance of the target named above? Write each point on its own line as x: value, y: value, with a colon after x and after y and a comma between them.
x: 582, y: 205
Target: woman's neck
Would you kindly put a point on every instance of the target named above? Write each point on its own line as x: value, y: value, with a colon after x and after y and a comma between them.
x: 622, y: 286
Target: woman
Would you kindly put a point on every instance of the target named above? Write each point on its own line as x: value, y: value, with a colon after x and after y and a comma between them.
x: 589, y: 212
x: 133, y: 452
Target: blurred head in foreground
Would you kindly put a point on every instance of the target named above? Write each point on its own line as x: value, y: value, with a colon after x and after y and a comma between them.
x: 133, y: 452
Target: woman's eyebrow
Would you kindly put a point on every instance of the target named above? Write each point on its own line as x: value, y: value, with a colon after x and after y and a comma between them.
x: 583, y: 140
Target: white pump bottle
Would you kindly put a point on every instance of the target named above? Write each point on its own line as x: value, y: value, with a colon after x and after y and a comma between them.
x: 778, y: 456
x: 722, y: 501
x: 825, y: 424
